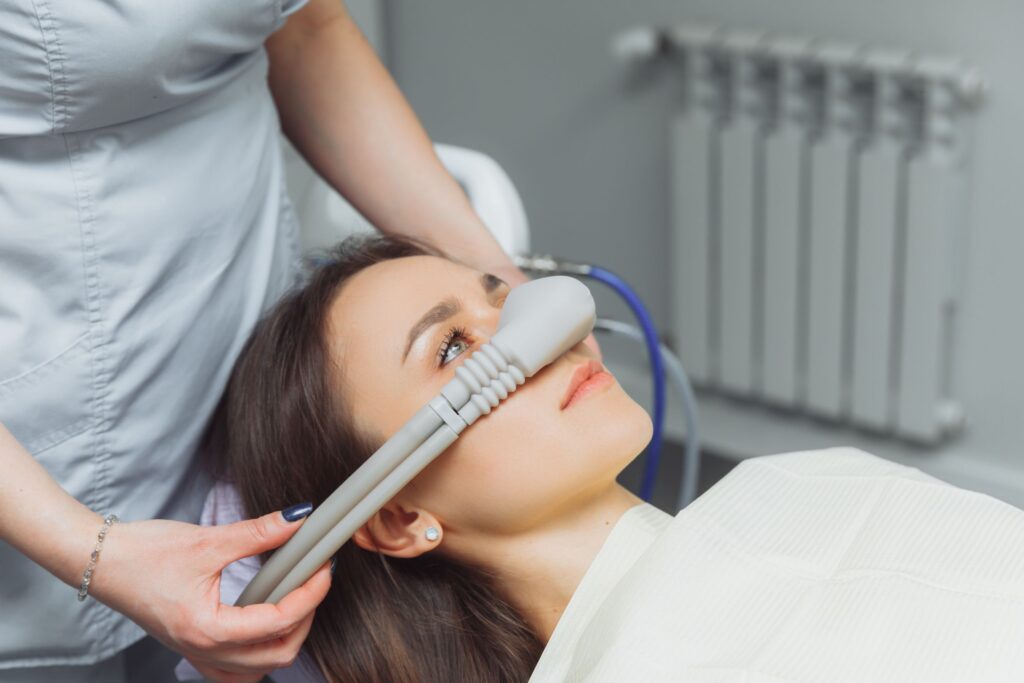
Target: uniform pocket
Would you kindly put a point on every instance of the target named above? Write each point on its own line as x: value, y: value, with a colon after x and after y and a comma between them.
x: 49, y: 403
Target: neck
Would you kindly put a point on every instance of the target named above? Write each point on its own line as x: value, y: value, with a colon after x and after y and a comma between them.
x: 540, y: 571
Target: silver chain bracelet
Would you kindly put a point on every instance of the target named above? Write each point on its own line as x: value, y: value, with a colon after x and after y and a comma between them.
x: 83, y: 590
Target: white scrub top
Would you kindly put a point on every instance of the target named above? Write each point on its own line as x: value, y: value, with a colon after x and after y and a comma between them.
x: 144, y: 228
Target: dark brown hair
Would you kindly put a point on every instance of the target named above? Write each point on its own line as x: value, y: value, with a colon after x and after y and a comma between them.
x: 282, y: 435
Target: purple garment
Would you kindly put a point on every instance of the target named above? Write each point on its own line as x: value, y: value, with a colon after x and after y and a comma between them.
x: 224, y: 506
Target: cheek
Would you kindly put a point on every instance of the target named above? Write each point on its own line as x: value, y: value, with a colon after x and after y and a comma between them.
x: 521, y: 463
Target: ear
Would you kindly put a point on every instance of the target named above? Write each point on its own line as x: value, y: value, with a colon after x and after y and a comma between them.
x: 398, y: 532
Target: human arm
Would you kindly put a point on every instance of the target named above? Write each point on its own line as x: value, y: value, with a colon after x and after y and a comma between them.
x: 164, y: 575
x: 345, y: 114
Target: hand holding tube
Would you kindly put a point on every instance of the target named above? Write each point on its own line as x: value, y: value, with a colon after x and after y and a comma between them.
x: 166, y: 576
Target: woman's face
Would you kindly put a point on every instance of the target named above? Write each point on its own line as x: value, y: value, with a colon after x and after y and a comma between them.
x: 525, y: 462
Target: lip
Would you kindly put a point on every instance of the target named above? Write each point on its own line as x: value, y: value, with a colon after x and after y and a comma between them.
x: 580, y: 375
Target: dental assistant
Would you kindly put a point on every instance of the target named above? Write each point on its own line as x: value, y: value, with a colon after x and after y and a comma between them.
x: 144, y: 228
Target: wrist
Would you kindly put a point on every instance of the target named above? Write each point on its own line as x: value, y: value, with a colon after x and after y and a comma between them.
x: 113, y: 554
x: 77, y: 545
x: 60, y: 539
x: 90, y: 569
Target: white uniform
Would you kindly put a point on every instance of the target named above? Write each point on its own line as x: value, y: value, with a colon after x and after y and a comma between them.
x: 144, y: 228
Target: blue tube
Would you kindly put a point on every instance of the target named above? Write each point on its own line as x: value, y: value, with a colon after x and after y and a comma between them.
x: 657, y: 370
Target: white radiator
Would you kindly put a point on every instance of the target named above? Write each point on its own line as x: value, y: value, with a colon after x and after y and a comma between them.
x: 819, y: 213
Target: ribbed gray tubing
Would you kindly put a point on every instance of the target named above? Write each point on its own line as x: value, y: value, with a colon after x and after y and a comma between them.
x: 417, y: 429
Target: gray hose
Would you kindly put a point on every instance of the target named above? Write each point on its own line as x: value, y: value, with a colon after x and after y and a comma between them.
x: 363, y: 510
x: 691, y: 461
x: 424, y: 423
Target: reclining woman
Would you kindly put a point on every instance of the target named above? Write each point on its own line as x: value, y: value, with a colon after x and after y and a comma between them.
x: 517, y: 554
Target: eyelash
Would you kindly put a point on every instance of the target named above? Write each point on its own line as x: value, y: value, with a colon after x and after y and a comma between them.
x: 453, y: 332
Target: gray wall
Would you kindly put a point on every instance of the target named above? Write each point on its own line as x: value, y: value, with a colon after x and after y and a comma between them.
x: 533, y: 84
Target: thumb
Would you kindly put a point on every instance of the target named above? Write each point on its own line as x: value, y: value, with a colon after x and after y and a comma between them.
x: 258, y: 535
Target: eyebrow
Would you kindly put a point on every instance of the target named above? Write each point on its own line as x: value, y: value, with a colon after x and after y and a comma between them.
x: 449, y: 307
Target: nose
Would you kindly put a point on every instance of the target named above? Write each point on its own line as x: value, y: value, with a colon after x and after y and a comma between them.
x: 581, y: 350
x: 571, y: 359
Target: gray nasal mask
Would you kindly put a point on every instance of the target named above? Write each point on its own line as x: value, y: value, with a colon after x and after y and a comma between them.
x: 539, y: 322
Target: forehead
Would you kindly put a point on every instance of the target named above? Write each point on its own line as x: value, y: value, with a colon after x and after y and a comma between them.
x: 402, y: 283
x: 392, y: 295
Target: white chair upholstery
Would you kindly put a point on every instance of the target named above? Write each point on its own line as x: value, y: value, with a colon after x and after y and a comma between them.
x: 326, y: 218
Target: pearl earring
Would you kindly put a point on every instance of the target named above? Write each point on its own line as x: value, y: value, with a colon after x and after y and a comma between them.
x: 432, y: 534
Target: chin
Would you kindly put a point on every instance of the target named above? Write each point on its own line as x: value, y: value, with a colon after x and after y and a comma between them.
x: 643, y: 430
x: 624, y: 432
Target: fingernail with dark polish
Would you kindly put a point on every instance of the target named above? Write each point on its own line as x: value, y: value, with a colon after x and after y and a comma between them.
x: 297, y: 512
x: 334, y: 563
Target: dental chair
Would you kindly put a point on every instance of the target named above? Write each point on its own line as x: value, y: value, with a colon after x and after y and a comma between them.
x: 326, y: 217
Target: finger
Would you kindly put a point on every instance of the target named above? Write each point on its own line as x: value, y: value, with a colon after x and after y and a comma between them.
x: 269, y: 655
x: 262, y: 622
x: 254, y: 536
